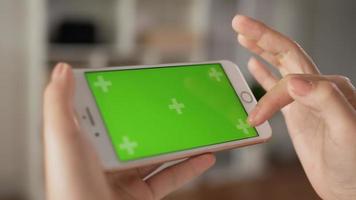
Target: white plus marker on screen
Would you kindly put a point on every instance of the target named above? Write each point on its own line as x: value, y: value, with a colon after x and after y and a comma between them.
x: 215, y: 74
x: 242, y: 126
x: 128, y: 145
x: 176, y: 106
x: 102, y: 83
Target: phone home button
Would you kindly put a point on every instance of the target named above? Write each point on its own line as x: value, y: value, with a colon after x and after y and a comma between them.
x: 246, y: 97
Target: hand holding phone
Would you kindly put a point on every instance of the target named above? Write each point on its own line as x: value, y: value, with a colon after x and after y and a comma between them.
x: 142, y: 115
x: 73, y: 169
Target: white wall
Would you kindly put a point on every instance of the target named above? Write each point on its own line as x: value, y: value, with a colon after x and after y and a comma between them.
x: 334, y: 42
x: 12, y: 106
x: 21, y: 64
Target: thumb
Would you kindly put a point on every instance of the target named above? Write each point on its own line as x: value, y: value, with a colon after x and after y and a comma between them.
x: 58, y: 97
x: 323, y: 97
x: 72, y: 168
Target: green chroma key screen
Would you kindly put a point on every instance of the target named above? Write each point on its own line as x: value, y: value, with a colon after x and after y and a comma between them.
x: 152, y: 111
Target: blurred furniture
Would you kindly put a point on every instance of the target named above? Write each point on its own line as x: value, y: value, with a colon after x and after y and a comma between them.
x: 129, y: 30
x: 180, y: 35
x: 284, y: 181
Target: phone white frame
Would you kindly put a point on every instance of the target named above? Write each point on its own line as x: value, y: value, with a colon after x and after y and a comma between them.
x: 90, y: 120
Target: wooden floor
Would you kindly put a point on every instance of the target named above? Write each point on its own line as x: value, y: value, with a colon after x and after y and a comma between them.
x: 281, y: 182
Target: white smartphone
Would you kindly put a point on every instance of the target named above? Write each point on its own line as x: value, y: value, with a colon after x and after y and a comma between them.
x: 141, y: 115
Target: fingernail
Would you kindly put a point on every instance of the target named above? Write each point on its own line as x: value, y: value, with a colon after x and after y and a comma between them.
x: 64, y: 70
x: 57, y: 70
x: 235, y: 19
x: 253, y: 64
x: 235, y: 22
x: 300, y: 86
x: 60, y: 71
x: 252, y: 117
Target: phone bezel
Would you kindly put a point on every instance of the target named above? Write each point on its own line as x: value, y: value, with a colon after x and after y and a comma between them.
x: 85, y: 102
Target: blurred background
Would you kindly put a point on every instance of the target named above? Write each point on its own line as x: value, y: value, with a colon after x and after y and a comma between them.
x: 35, y: 34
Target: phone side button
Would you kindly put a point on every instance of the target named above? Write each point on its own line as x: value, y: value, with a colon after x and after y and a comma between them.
x: 246, y: 97
x: 90, y: 116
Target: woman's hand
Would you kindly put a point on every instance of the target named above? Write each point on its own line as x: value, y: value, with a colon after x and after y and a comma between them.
x: 73, y: 170
x: 319, y: 110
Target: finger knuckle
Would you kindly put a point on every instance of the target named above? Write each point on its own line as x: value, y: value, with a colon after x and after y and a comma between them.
x: 344, y: 79
x: 327, y: 89
x: 288, y: 77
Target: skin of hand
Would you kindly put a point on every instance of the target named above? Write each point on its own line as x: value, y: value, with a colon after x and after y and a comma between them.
x: 319, y: 110
x: 72, y: 168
